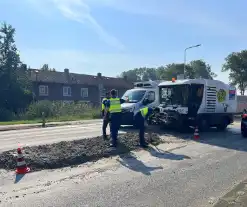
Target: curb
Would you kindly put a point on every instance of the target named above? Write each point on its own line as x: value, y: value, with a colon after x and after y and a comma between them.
x: 34, y: 126
x: 3, y: 129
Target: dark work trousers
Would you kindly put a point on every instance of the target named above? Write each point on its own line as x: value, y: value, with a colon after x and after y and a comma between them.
x: 139, y: 119
x: 104, y: 126
x: 114, y: 126
x: 105, y: 122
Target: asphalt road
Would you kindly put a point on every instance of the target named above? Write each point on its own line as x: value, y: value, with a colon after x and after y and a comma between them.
x: 177, y: 174
x: 37, y: 136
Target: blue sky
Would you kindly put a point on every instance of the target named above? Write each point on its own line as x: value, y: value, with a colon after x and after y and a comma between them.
x: 110, y: 36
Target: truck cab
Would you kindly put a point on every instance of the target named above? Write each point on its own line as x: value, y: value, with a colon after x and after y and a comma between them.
x: 143, y: 94
x: 197, y: 102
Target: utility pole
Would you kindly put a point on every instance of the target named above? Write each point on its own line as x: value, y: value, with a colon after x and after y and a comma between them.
x: 185, y: 54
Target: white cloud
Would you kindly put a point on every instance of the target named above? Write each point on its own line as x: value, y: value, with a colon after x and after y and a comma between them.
x: 179, y: 11
x: 79, y: 11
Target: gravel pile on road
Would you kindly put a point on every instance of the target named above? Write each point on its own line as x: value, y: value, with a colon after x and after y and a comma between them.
x: 72, y: 153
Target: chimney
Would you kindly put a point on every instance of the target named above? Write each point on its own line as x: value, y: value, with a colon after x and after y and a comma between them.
x: 66, y: 72
x: 36, y: 74
x: 125, y: 77
x: 99, y: 75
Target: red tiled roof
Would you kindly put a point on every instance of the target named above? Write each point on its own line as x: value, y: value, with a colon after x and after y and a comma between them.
x: 73, y: 78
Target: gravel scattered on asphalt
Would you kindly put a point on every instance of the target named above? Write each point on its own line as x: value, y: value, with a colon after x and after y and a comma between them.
x: 237, y: 197
x: 72, y: 153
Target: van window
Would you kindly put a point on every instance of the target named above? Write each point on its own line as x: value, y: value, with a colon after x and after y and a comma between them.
x: 134, y: 96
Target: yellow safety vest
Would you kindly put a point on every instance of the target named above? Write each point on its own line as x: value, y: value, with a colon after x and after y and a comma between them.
x: 144, y: 111
x: 103, y: 105
x: 115, y: 105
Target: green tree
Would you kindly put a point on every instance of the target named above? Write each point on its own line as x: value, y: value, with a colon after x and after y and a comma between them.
x: 131, y: 75
x: 201, y: 69
x: 140, y: 74
x: 45, y: 67
x: 172, y: 70
x: 236, y: 64
x: 146, y: 74
x: 195, y: 69
x: 14, y: 88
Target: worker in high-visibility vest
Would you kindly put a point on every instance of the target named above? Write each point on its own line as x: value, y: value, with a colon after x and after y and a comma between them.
x: 141, y: 118
x: 105, y: 115
x: 114, y: 107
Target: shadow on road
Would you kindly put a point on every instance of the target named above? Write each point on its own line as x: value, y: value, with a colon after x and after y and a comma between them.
x: 159, y: 153
x: 134, y: 164
x: 18, y: 177
x: 230, y: 138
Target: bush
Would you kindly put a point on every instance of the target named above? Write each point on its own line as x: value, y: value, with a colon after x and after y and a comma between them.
x: 6, y: 115
x: 59, y: 110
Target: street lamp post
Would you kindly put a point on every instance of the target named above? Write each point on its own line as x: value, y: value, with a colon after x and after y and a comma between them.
x: 185, y: 53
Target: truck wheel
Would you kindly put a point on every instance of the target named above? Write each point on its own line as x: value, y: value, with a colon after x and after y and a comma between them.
x: 223, y: 125
x: 203, y: 125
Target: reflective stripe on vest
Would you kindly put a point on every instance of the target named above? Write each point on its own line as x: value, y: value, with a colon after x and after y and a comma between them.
x: 103, y: 105
x: 115, y: 105
x: 144, y: 111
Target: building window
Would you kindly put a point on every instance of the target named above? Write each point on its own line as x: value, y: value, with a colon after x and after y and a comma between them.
x: 84, y: 92
x: 66, y: 91
x: 43, y: 90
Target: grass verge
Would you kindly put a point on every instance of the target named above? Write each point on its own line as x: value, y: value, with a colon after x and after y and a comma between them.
x: 71, y: 153
x: 51, y: 111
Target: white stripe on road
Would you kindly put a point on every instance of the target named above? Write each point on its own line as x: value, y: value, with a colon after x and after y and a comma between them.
x: 23, y: 131
x: 40, y: 136
x: 50, y: 132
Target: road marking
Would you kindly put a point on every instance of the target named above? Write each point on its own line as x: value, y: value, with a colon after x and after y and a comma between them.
x: 48, y: 130
x: 80, y: 130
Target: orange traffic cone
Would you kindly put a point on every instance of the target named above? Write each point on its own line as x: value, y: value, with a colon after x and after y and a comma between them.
x: 21, y: 164
x: 196, y: 133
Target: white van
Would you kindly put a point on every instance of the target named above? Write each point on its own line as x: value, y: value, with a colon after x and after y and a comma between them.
x: 201, y: 102
x: 143, y: 94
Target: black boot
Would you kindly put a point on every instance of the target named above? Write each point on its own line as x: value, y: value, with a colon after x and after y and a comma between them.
x: 113, y: 143
x: 144, y: 145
